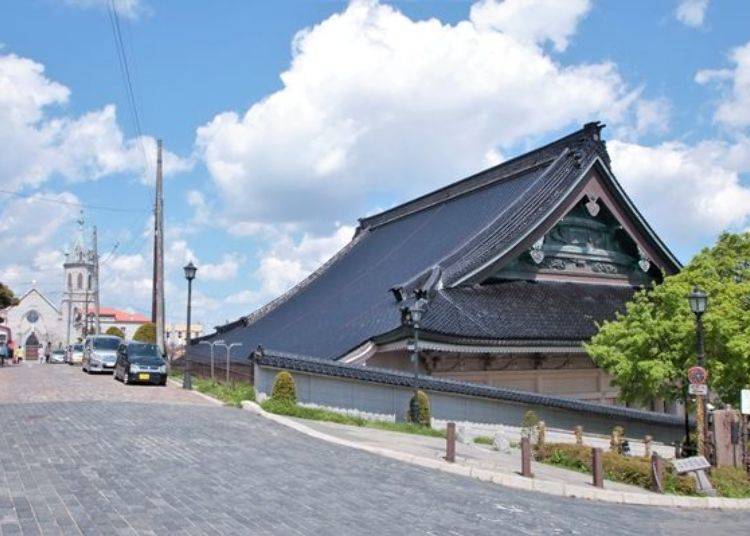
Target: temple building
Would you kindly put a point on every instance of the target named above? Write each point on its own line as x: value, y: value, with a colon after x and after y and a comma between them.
x: 513, y: 268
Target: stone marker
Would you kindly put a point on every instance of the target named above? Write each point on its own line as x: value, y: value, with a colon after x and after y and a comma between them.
x: 500, y: 440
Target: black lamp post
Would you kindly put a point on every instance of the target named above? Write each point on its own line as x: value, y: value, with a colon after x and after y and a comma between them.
x: 698, y: 300
x: 412, y: 316
x: 190, y: 270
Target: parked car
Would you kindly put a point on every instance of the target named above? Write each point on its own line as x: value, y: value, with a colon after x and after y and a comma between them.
x: 100, y: 353
x: 75, y: 354
x: 57, y: 357
x: 140, y: 362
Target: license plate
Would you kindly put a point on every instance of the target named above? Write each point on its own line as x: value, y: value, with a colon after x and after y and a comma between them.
x: 143, y: 376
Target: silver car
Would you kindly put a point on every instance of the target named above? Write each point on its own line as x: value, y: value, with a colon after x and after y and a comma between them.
x: 100, y: 353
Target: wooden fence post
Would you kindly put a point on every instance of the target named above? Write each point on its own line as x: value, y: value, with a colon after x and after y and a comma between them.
x: 596, y: 467
x: 450, y: 442
x: 526, y: 457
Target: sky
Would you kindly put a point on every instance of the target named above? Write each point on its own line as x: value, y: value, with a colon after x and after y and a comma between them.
x: 283, y: 122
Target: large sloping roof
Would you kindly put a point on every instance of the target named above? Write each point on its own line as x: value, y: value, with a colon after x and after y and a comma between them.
x: 458, y: 229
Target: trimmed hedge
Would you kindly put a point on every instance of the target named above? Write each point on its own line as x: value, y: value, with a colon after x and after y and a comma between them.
x: 618, y: 468
x: 422, y: 407
x: 284, y: 390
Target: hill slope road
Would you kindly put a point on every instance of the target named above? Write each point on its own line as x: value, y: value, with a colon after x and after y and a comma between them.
x: 86, y: 455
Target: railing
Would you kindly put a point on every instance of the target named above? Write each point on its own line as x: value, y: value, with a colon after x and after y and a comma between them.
x: 238, y: 372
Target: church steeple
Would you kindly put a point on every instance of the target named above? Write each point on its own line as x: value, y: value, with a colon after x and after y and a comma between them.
x: 78, y: 283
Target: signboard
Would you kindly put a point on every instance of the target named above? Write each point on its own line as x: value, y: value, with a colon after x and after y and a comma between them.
x: 698, y: 389
x: 697, y: 375
x: 745, y: 401
x: 694, y: 463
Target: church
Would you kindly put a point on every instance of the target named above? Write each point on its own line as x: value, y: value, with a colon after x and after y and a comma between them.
x: 511, y: 270
x: 36, y: 320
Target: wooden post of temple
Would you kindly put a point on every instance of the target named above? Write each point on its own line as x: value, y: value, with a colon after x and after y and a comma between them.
x: 450, y: 442
x: 526, y: 457
x: 596, y: 467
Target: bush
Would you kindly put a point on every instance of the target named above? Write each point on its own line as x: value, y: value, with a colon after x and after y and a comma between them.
x: 114, y: 330
x: 146, y: 333
x: 484, y: 440
x: 284, y: 390
x: 731, y: 482
x: 619, y: 468
x: 528, y: 425
x: 419, y: 409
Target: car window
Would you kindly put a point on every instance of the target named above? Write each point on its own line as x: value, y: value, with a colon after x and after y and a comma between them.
x: 106, y: 343
x: 78, y: 348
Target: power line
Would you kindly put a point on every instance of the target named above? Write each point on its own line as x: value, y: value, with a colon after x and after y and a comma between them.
x: 73, y: 203
x: 114, y: 19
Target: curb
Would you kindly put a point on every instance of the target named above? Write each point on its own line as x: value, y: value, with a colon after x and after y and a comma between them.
x: 549, y: 487
x: 175, y: 383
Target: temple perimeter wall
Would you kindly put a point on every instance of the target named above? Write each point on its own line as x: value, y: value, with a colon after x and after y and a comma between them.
x: 383, y: 400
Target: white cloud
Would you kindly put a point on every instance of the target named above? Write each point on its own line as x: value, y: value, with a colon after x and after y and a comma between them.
x: 532, y: 21
x: 37, y: 144
x: 691, y: 12
x: 375, y: 103
x: 689, y: 193
x: 131, y: 9
x: 224, y: 270
x: 734, y: 109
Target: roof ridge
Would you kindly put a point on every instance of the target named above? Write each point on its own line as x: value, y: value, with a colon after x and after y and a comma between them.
x: 504, y: 171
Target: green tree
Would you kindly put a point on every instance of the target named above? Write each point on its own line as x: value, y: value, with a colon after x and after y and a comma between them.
x: 114, y: 330
x: 649, y: 348
x: 7, y: 298
x: 146, y: 333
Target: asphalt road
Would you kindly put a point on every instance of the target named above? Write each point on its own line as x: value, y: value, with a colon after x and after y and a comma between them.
x: 86, y: 455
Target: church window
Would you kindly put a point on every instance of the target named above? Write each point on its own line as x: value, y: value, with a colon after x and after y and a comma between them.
x: 89, y: 282
x: 32, y: 316
x: 80, y: 281
x: 70, y: 281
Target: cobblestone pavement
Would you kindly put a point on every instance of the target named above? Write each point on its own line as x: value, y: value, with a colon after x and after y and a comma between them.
x: 86, y: 455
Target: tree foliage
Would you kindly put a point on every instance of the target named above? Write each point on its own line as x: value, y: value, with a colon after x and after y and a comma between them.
x: 145, y: 333
x: 649, y: 348
x: 7, y: 297
x: 419, y: 409
x: 114, y: 330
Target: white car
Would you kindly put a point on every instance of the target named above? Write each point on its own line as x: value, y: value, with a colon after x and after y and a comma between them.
x: 100, y: 353
x: 75, y: 354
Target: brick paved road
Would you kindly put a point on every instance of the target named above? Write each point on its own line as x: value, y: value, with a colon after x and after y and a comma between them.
x: 86, y: 455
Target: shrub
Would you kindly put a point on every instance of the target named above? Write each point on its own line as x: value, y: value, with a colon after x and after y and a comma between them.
x: 616, y: 439
x: 284, y: 389
x: 114, y: 330
x: 484, y: 440
x: 231, y: 394
x: 146, y: 333
x: 419, y: 409
x: 529, y: 424
x: 619, y: 468
x: 731, y: 482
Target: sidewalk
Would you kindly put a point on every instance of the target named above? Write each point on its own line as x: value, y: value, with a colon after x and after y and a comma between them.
x: 484, y: 464
x: 469, y: 455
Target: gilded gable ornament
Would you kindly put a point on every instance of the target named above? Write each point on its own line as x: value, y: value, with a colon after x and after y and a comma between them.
x: 593, y: 205
x: 536, y: 252
x: 643, y: 262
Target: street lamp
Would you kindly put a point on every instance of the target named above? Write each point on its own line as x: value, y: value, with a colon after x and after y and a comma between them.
x: 412, y: 316
x: 190, y: 270
x: 211, y: 344
x: 698, y: 301
x: 228, y: 348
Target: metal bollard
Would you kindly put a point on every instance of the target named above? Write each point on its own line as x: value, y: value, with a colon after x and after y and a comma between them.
x: 596, y: 467
x: 450, y: 442
x: 526, y: 457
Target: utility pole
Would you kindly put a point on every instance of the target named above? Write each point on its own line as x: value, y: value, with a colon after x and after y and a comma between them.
x: 96, y: 284
x: 157, y: 298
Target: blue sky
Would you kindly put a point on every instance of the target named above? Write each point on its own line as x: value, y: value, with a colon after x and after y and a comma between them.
x: 285, y: 121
